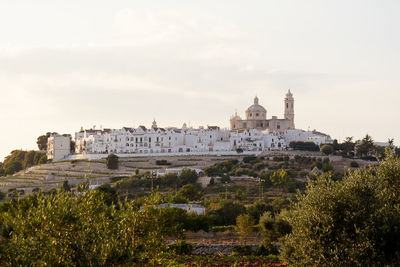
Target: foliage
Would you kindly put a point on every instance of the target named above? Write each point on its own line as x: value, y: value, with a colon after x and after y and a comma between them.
x: 187, y: 176
x: 365, y: 146
x: 112, y: 162
x: 162, y: 162
x: 190, y: 192
x: 42, y: 141
x: 244, y: 225
x: 355, y: 221
x: 327, y: 149
x: 354, y: 164
x: 181, y: 247
x: 221, y: 168
x: 304, y: 146
x: 19, y: 160
x: 240, y: 194
x: 61, y: 229
x: 273, y: 227
x: 42, y: 159
x: 226, y: 212
x: 250, y: 159
x: 223, y: 228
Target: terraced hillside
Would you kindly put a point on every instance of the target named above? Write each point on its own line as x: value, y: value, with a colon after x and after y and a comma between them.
x: 53, y: 175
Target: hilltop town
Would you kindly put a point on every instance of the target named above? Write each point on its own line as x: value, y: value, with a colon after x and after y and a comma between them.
x: 254, y: 134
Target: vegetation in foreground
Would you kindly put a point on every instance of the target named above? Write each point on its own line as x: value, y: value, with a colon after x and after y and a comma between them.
x: 348, y: 220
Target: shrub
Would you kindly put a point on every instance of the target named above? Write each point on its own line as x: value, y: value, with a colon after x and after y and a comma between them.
x: 352, y: 222
x: 162, y: 162
x: 242, y: 250
x: 61, y: 230
x: 354, y: 164
x: 181, y: 247
x: 327, y: 149
x: 305, y: 146
x: 112, y: 162
x: 244, y: 225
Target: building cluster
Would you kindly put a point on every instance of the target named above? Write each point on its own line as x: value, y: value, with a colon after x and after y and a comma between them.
x: 157, y: 140
x: 255, y: 133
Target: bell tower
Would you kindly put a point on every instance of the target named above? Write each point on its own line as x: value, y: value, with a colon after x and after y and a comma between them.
x: 289, y: 108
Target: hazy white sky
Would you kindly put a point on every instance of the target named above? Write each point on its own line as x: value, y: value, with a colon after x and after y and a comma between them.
x: 67, y: 64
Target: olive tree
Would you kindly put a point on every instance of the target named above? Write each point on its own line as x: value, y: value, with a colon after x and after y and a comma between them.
x: 352, y: 222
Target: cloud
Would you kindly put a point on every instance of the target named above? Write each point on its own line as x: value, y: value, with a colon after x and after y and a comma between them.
x: 145, y: 26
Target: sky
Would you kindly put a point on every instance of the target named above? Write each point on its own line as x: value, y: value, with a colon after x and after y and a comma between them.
x: 71, y: 64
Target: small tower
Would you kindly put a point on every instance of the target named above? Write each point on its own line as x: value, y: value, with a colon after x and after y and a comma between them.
x: 233, y: 121
x: 289, y: 108
x: 256, y: 100
x: 154, y: 124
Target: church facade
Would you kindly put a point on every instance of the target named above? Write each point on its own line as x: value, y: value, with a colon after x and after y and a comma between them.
x: 256, y: 118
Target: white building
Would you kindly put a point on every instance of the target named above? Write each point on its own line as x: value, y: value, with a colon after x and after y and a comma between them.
x: 255, y: 134
x: 58, y: 147
x: 173, y: 140
x: 190, y: 208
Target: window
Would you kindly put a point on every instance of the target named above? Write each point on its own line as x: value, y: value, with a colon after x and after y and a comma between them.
x: 256, y: 114
x: 287, y: 105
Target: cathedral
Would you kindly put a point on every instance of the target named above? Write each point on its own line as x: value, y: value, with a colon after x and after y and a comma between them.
x: 256, y: 118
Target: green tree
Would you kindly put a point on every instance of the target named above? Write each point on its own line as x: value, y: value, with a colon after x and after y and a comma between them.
x: 280, y: 178
x: 348, y: 146
x: 187, y: 176
x: 43, y: 159
x: 274, y: 227
x: 244, y: 225
x: 42, y: 141
x: 226, y: 212
x: 365, y: 146
x: 64, y: 230
x: 240, y: 194
x: 112, y: 162
x: 190, y: 192
x: 29, y: 159
x: 352, y: 222
x: 327, y: 149
x: 66, y: 186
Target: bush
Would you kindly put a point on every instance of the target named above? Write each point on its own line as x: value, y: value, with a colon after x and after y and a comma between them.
x: 242, y: 250
x: 244, y: 225
x: 354, y: 164
x: 223, y: 228
x: 305, y: 146
x: 62, y: 230
x: 181, y: 247
x: 162, y: 162
x: 226, y: 212
x: 266, y: 250
x: 352, y: 222
x: 250, y: 159
x: 327, y: 149
x: 112, y: 162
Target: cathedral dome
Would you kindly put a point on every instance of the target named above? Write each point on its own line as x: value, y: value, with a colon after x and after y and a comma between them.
x: 256, y: 107
x: 256, y: 111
